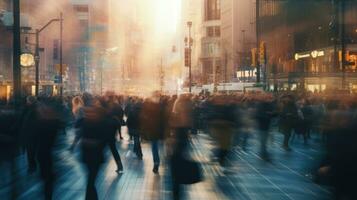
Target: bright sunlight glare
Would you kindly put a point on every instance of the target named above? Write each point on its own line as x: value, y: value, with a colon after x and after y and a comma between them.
x: 167, y: 15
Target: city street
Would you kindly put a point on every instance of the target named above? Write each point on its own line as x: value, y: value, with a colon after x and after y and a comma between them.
x: 216, y: 99
x: 247, y: 176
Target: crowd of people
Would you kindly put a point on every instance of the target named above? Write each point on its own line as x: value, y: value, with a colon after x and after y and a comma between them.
x: 230, y: 120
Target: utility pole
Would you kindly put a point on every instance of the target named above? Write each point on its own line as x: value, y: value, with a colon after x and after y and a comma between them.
x: 189, y: 24
x: 61, y: 54
x: 16, y: 53
x: 37, y: 62
x: 335, y: 36
x: 257, y: 6
x: 343, y: 42
x: 243, y: 59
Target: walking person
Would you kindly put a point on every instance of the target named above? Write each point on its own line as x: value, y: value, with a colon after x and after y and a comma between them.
x: 132, y: 111
x: 28, y: 131
x: 45, y: 122
x: 151, y: 120
x: 112, y: 109
x: 77, y: 112
x: 96, y: 129
x: 264, y: 115
x: 288, y: 119
x: 183, y: 170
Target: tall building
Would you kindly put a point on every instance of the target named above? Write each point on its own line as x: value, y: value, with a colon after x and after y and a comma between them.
x: 237, y: 39
x: 303, y: 48
x: 211, y: 41
x: 92, y: 42
x: 223, y: 34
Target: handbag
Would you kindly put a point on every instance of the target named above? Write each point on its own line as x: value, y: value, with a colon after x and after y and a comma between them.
x: 186, y: 171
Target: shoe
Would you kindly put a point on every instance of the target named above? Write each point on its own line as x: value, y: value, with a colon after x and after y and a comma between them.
x: 119, y: 171
x: 155, y: 169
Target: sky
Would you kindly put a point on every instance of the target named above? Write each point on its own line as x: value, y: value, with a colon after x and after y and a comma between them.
x: 167, y: 15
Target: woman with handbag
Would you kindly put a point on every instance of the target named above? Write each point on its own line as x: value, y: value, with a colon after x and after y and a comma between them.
x: 183, y: 170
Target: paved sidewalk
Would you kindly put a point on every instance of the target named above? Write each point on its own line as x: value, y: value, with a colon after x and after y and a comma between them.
x: 247, y: 176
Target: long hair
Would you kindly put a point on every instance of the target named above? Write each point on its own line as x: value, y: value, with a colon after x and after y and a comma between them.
x: 77, y: 103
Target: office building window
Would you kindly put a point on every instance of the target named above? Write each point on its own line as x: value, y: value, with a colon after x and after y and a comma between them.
x: 212, y: 10
x: 213, y: 31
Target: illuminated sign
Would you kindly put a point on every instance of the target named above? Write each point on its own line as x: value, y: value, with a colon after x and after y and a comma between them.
x: 299, y: 56
x: 313, y: 54
x: 316, y: 54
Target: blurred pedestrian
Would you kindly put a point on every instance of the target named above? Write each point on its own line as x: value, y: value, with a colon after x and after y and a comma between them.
x: 77, y: 112
x: 288, y: 119
x: 151, y: 125
x: 133, y: 110
x: 96, y: 128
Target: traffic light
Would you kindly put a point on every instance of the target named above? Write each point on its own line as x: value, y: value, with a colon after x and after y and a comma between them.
x: 262, y: 52
x: 347, y: 55
x: 55, y: 49
x: 187, y: 57
x: 254, y: 57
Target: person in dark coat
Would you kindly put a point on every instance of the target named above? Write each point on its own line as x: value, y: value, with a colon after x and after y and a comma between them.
x: 9, y: 125
x: 96, y: 128
x: 341, y: 138
x: 43, y: 124
x: 264, y: 114
x: 132, y: 111
x: 222, y: 123
x: 288, y: 119
x: 28, y: 131
x: 308, y: 120
x: 181, y: 123
x: 114, y: 112
x: 151, y: 120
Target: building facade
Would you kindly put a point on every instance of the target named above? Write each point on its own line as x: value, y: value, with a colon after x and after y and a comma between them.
x: 223, y: 34
x: 304, y: 44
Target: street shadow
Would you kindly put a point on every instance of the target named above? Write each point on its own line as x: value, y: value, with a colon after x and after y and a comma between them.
x: 230, y: 191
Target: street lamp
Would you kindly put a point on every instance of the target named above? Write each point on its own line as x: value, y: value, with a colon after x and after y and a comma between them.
x: 36, y: 57
x: 189, y: 43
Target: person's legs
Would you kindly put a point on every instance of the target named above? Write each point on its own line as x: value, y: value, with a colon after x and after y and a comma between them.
x: 137, y: 145
x: 155, y: 155
x: 116, y: 155
x: 263, y: 144
x: 287, y: 135
x: 30, y: 152
x: 91, y: 191
x: 77, y: 137
x: 46, y: 171
x: 176, y: 190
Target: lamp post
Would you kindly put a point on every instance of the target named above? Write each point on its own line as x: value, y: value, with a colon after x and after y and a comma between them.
x: 189, y: 43
x: 343, y: 41
x: 257, y: 32
x: 37, y: 53
x: 60, y: 54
